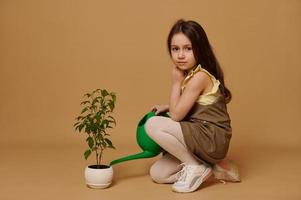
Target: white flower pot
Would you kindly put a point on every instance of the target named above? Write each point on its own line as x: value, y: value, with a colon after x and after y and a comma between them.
x: 98, y: 178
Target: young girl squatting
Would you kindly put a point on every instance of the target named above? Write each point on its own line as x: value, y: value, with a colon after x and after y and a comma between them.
x: 198, y: 133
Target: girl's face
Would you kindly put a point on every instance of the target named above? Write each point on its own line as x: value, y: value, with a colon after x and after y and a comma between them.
x: 182, y: 53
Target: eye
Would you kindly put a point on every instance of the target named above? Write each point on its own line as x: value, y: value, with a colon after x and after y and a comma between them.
x: 188, y: 48
x: 175, y: 48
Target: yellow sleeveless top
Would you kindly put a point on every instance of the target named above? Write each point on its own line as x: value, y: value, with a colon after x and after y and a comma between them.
x: 211, y: 96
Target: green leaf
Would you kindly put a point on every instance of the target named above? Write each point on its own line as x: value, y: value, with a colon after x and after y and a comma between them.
x: 97, y: 90
x: 94, y: 101
x: 81, y: 127
x: 104, y: 93
x: 98, y: 116
x: 109, y: 143
x: 92, y: 107
x: 84, y: 110
x: 94, y: 127
x: 88, y: 115
x: 87, y: 153
x: 101, y: 125
x: 79, y: 117
x: 88, y: 129
x: 76, y: 124
x: 111, y: 105
x: 99, y: 137
x: 113, y: 95
x: 87, y: 94
x: 105, y: 123
x: 84, y: 102
x: 112, y: 147
x: 100, y: 112
x: 113, y: 120
x: 104, y: 145
x: 90, y: 142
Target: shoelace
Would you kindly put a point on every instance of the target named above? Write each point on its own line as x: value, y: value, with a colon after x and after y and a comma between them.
x: 184, y: 173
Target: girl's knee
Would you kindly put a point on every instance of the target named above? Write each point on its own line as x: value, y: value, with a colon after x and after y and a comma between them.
x: 151, y: 125
x: 156, y: 175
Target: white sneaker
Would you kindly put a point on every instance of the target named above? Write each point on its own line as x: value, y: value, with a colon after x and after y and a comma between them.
x: 191, y: 177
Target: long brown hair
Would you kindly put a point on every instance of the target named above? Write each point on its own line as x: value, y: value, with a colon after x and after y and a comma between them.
x: 202, y: 50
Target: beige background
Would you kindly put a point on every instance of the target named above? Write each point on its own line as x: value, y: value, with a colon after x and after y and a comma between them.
x: 52, y: 52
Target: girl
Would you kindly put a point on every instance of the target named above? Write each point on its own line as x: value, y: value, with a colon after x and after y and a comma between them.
x: 198, y: 133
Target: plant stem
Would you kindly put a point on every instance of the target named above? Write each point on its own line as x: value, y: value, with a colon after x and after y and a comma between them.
x: 94, y: 137
x: 100, y: 155
x: 97, y: 161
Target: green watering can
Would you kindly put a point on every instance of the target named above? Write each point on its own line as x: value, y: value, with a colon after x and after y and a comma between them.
x: 149, y: 147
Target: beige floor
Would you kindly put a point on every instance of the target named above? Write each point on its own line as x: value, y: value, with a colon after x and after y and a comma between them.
x: 45, y: 172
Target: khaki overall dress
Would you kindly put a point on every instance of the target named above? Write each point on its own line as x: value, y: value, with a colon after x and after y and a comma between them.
x: 206, y: 128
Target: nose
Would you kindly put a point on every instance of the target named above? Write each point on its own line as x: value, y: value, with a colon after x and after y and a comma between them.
x: 181, y: 54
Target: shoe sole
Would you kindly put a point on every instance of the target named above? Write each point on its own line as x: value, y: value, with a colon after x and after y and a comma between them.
x: 198, y: 183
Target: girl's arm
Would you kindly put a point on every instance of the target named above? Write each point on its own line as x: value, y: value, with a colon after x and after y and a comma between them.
x: 180, y: 104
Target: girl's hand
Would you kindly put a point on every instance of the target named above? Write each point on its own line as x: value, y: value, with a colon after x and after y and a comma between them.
x: 177, y: 75
x: 160, y: 108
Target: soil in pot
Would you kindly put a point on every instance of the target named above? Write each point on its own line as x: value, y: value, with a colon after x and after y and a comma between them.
x: 99, y: 166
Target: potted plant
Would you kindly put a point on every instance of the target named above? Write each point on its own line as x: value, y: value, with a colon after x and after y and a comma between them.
x: 94, y: 120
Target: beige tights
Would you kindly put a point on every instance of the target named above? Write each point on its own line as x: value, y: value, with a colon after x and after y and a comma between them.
x: 168, y: 134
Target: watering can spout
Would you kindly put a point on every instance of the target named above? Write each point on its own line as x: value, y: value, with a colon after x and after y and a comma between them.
x: 144, y: 154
